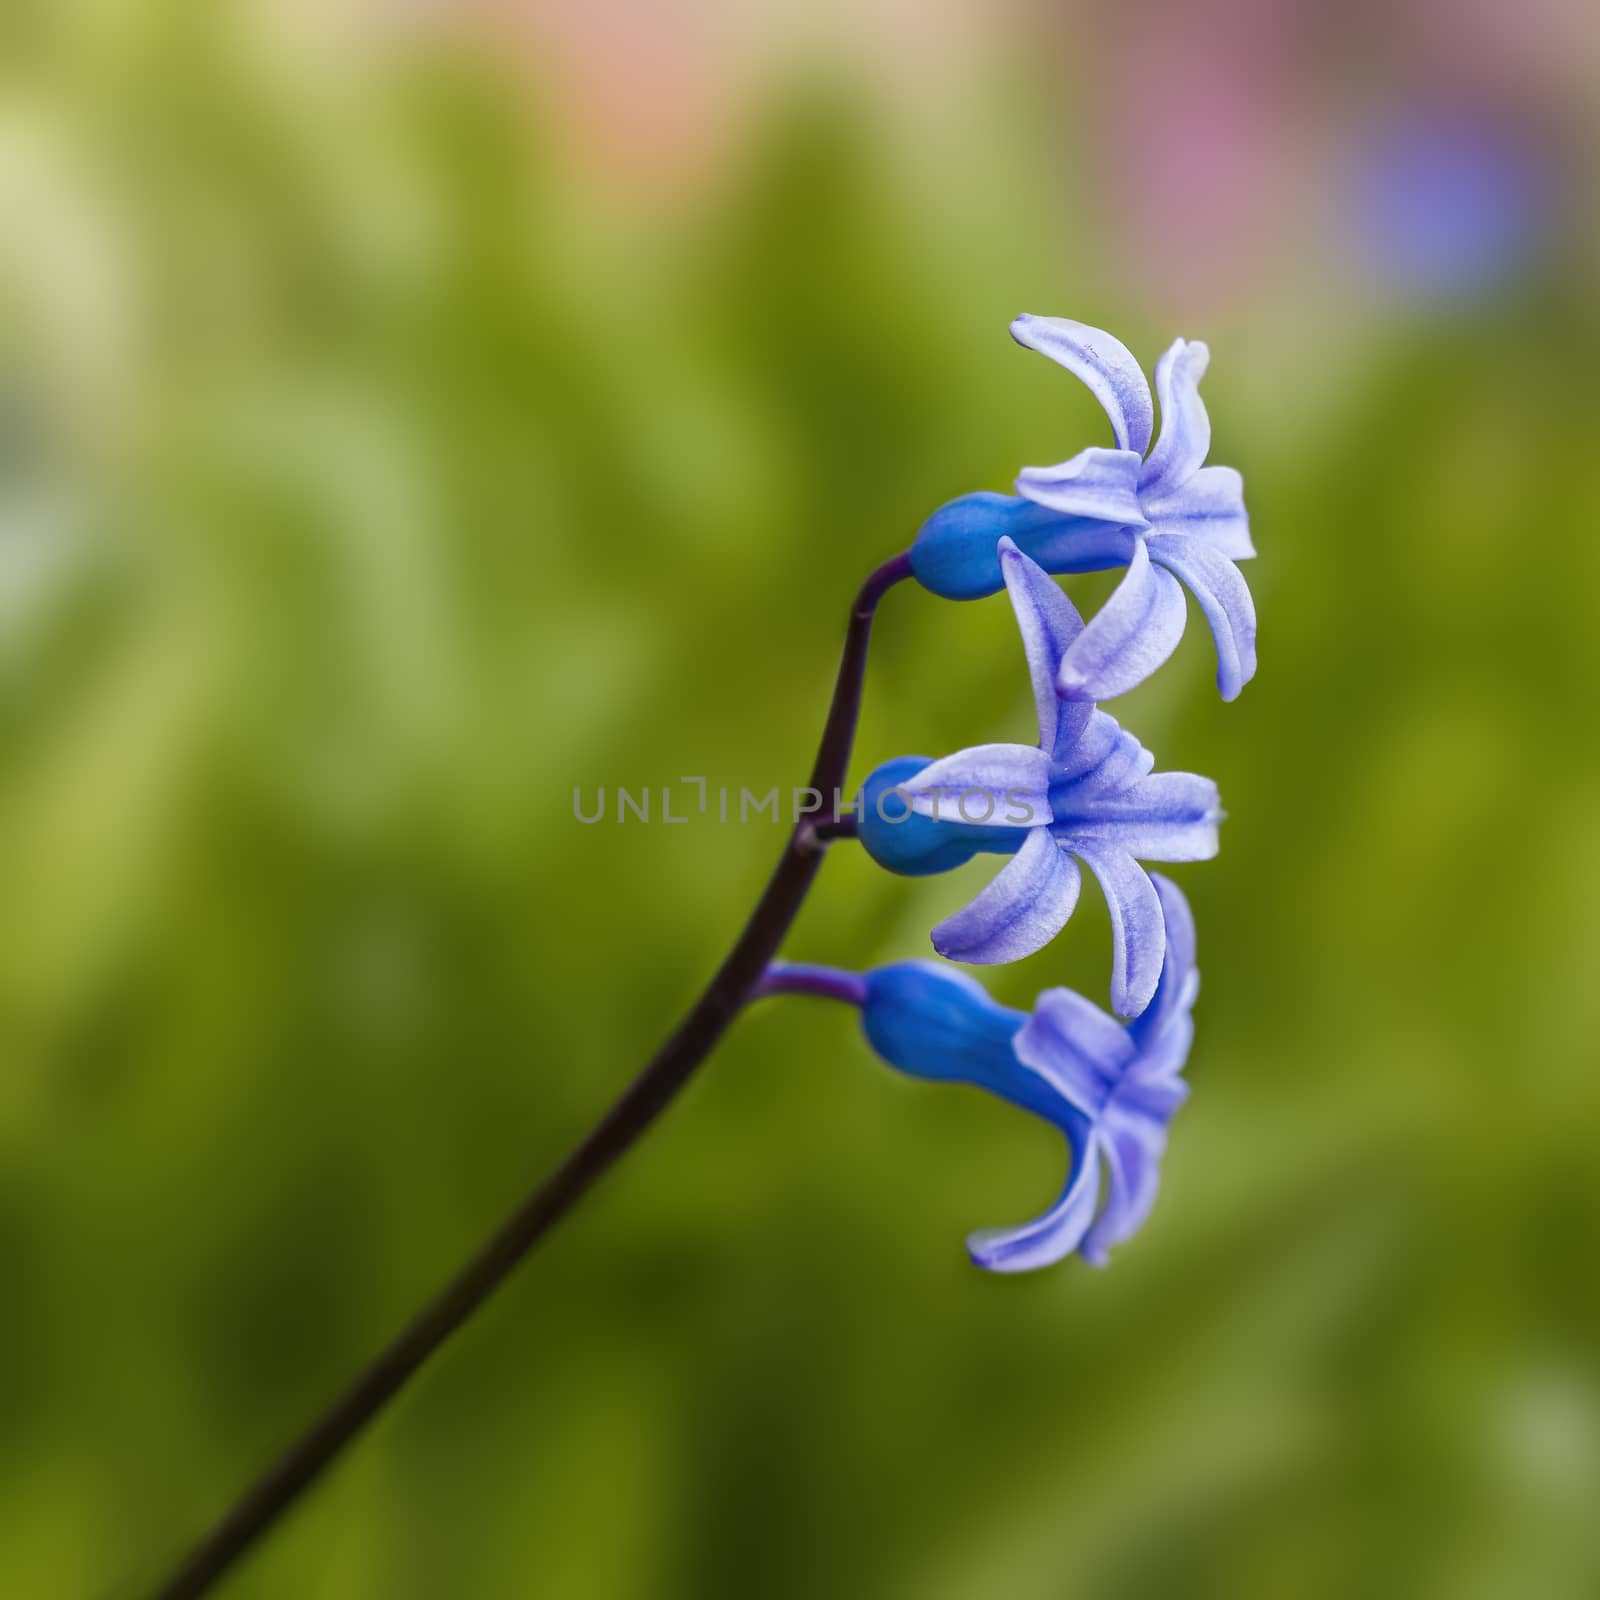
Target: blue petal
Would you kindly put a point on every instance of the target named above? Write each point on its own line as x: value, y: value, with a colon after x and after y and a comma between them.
x: 1176, y: 991
x: 1072, y: 1042
x: 1105, y: 364
x: 1060, y: 1230
x: 1025, y: 906
x: 1185, y: 428
x: 1129, y: 637
x: 915, y: 846
x: 1105, y: 760
x: 989, y: 785
x: 1210, y: 506
x: 1099, y: 485
x: 1224, y: 596
x: 1163, y: 1054
x: 1138, y: 936
x: 1167, y: 816
x: 1133, y: 1174
x: 1151, y: 1092
x: 1048, y: 622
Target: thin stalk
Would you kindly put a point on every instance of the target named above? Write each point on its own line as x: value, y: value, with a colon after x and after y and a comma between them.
x: 827, y: 829
x: 265, y: 1502
x: 800, y: 977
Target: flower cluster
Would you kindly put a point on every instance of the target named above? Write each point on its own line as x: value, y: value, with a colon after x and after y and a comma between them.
x: 1086, y: 795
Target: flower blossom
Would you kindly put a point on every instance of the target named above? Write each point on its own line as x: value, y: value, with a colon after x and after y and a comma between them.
x: 1085, y: 793
x: 1165, y: 516
x: 1111, y: 1089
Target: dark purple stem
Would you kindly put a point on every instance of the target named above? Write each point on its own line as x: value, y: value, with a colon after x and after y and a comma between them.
x: 638, y: 1106
x: 827, y: 829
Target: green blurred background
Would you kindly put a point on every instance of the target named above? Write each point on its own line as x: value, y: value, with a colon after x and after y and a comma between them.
x: 409, y: 413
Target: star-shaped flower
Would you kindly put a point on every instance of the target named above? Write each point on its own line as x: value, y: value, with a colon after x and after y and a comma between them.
x: 1111, y: 1089
x: 1164, y: 515
x: 1085, y: 792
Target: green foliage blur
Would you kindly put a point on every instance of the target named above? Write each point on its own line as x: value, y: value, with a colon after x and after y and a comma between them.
x: 369, y: 480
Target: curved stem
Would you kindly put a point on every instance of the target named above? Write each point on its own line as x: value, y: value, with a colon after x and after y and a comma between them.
x: 639, y: 1105
x: 800, y: 977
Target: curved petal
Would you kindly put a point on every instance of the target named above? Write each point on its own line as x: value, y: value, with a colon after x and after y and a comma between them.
x: 1060, y: 1230
x: 1138, y: 935
x: 1133, y: 1175
x: 1099, y: 484
x: 990, y: 785
x: 1168, y: 816
x: 1128, y: 638
x: 1105, y: 760
x: 1105, y: 364
x: 1223, y: 595
x: 1175, y: 993
x: 1048, y: 622
x: 1210, y: 506
x: 1074, y: 1044
x: 1149, y: 1096
x: 1185, y: 428
x: 1025, y: 906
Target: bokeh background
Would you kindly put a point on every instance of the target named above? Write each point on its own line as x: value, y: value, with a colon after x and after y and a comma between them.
x: 411, y: 412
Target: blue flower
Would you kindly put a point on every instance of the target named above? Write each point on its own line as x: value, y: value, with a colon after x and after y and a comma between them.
x: 1085, y: 793
x: 1110, y: 1089
x: 1165, y: 516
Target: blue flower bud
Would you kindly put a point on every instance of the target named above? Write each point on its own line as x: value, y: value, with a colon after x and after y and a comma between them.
x: 930, y: 1021
x: 917, y: 846
x: 954, y: 554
